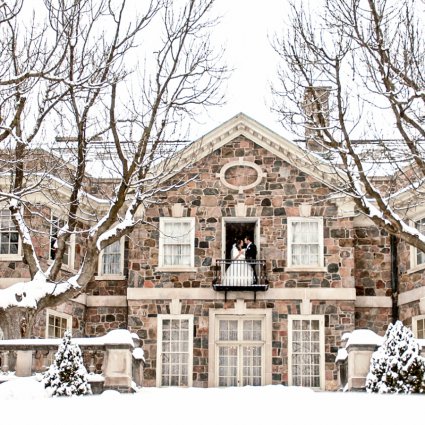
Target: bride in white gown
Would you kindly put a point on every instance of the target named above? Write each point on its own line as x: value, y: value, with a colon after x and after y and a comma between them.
x: 240, y: 272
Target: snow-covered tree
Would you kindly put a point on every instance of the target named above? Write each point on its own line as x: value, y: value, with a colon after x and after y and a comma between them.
x: 90, y: 87
x: 67, y: 375
x: 351, y: 85
x: 397, y: 367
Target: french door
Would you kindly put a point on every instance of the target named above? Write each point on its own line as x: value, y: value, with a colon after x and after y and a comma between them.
x: 239, y: 351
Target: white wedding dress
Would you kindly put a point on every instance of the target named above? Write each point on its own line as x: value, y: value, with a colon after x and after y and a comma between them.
x: 239, y: 273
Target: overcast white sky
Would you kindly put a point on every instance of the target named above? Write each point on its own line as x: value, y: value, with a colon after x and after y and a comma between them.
x: 244, y: 31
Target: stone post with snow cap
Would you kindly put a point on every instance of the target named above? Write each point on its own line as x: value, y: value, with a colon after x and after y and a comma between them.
x: 117, y: 366
x: 360, y: 346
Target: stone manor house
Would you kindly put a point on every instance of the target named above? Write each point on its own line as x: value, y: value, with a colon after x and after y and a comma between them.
x: 323, y: 270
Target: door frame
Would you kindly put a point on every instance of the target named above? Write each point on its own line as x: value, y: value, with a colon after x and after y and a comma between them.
x: 257, y: 232
x: 239, y: 311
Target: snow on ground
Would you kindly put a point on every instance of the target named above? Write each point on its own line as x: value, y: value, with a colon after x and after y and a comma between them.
x: 24, y: 400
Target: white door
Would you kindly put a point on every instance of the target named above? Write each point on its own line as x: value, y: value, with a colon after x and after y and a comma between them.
x: 239, y: 351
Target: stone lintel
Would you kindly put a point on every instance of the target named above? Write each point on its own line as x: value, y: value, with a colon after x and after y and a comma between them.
x: 370, y: 301
x: 411, y: 296
x: 106, y: 301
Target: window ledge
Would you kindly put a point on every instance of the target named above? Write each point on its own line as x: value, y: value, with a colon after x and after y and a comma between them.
x: 175, y: 269
x: 306, y: 269
x: 7, y: 257
x: 110, y: 277
x: 415, y: 269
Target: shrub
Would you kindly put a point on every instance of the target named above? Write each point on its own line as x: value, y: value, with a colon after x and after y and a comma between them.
x: 397, y: 367
x: 67, y: 375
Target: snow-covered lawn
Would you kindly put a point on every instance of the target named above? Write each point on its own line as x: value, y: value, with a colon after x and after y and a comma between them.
x: 24, y: 401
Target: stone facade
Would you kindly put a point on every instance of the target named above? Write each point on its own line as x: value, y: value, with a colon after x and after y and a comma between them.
x: 351, y: 289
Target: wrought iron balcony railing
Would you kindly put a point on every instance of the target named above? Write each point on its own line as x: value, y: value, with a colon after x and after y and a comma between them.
x: 240, y: 275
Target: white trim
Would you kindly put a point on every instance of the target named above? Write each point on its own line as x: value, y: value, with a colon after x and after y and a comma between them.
x: 313, y: 269
x: 50, y: 312
x: 257, y: 231
x: 239, y: 311
x: 106, y: 301
x: 301, y: 267
x: 411, y: 296
x: 174, y: 269
x: 241, y: 163
x: 19, y: 254
x: 346, y: 294
x: 415, y: 324
x: 160, y: 318
x: 371, y: 301
x: 414, y: 266
x: 321, y: 320
x: 120, y: 276
x: 162, y: 238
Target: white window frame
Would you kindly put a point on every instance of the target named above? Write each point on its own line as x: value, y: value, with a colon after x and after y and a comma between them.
x: 54, y: 313
x: 301, y: 267
x: 163, y: 238
x: 240, y: 311
x: 71, y: 244
x: 415, y: 321
x: 240, y: 343
x: 120, y: 275
x: 414, y: 266
x: 321, y: 319
x: 18, y: 255
x: 160, y: 319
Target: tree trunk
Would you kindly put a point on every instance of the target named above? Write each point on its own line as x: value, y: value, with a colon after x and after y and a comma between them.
x: 17, y: 323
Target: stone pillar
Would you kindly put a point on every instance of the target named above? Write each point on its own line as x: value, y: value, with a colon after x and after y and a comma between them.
x: 358, y: 365
x: 117, y: 367
x: 24, y: 363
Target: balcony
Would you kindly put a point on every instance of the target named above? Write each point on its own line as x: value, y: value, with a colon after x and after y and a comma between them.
x: 240, y: 275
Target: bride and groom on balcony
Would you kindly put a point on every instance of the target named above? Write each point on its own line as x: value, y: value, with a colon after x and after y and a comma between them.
x: 242, y: 271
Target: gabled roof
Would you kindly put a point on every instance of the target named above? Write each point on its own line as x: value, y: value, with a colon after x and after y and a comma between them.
x: 242, y: 125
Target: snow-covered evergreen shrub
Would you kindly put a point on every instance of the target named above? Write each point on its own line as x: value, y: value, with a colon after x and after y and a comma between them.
x: 397, y: 367
x: 67, y: 375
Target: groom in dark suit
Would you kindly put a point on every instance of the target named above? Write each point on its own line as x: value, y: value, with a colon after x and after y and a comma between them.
x: 250, y: 255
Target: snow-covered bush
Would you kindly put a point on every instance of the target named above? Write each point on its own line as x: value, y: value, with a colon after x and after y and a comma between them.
x: 67, y: 375
x: 397, y: 367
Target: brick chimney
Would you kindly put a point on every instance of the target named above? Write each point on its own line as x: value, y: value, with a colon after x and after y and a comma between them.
x: 316, y: 110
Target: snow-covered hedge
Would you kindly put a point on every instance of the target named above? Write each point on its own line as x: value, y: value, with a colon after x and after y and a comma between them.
x: 397, y: 367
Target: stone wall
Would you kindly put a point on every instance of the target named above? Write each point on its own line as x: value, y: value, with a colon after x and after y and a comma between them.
x: 375, y: 319
x: 100, y: 320
x: 372, y: 257
x: 338, y: 316
x: 278, y: 196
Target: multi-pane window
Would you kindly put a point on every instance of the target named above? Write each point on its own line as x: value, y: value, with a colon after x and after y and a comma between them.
x: 419, y: 327
x: 305, y: 350
x: 177, y: 242
x: 239, y: 351
x: 56, y: 225
x: 112, y: 259
x: 57, y: 324
x: 9, y: 236
x: 305, y: 242
x: 175, y: 345
x: 420, y: 255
